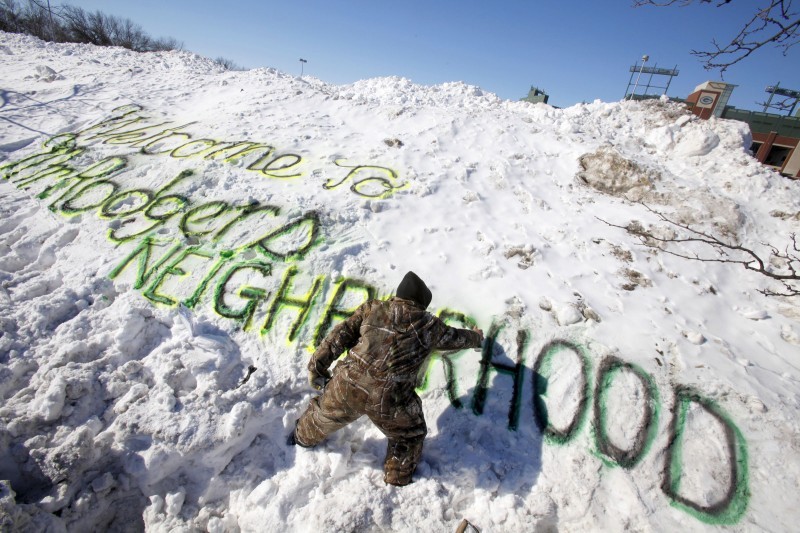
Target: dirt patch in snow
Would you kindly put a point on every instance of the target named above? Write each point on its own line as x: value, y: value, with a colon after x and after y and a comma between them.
x: 607, y: 171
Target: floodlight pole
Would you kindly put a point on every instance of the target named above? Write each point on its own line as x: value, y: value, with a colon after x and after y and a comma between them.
x: 771, y: 94
x: 635, y: 85
x: 302, y: 63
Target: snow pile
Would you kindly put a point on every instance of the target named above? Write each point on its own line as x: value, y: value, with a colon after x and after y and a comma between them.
x: 176, y: 239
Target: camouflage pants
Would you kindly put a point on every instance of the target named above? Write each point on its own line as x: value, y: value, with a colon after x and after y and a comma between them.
x: 393, y: 407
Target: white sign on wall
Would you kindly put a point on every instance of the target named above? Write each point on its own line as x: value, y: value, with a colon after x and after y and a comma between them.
x: 707, y: 99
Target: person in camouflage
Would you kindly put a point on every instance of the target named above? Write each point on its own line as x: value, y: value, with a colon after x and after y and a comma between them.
x: 389, y: 341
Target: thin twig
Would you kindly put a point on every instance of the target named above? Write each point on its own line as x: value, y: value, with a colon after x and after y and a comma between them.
x: 723, y: 250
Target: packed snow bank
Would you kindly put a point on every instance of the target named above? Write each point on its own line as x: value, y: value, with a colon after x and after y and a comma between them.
x: 176, y: 239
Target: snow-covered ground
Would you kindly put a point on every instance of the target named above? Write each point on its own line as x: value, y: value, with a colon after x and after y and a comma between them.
x: 175, y: 238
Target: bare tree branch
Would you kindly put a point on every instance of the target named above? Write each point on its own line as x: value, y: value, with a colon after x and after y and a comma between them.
x: 786, y: 104
x: 781, y: 266
x: 68, y: 23
x: 774, y: 22
x: 228, y: 64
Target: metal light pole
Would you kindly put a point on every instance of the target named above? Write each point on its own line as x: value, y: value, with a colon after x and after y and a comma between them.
x: 644, y: 60
x: 771, y: 94
x: 302, y: 64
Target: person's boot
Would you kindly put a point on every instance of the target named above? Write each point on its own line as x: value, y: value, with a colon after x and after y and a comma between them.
x: 402, y: 456
x: 291, y: 440
x: 398, y: 479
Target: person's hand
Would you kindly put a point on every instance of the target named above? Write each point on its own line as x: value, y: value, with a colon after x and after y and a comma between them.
x: 479, y: 331
x: 318, y: 380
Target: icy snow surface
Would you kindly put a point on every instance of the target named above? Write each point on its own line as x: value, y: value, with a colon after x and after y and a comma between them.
x: 174, y: 238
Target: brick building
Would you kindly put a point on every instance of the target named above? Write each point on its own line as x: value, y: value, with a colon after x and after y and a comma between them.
x: 775, y: 137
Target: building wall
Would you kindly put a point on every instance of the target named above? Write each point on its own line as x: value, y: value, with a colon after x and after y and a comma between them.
x: 703, y: 109
x: 710, y: 98
x: 535, y: 96
x: 792, y: 166
x: 778, y: 151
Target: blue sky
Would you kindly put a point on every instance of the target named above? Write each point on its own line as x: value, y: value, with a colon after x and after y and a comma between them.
x: 575, y: 51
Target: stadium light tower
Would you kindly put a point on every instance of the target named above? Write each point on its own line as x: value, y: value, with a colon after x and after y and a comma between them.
x: 302, y: 63
x: 793, y: 96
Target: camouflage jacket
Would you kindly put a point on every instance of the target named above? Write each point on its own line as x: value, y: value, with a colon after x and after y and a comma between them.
x: 390, y: 340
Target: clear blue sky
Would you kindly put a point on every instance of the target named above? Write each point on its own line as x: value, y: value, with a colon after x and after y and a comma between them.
x: 575, y: 51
